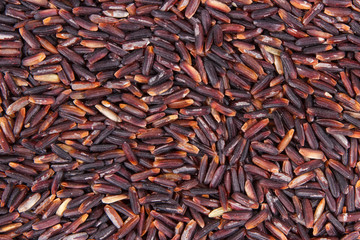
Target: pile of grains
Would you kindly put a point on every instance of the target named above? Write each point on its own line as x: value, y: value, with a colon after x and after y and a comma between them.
x: 179, y: 119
